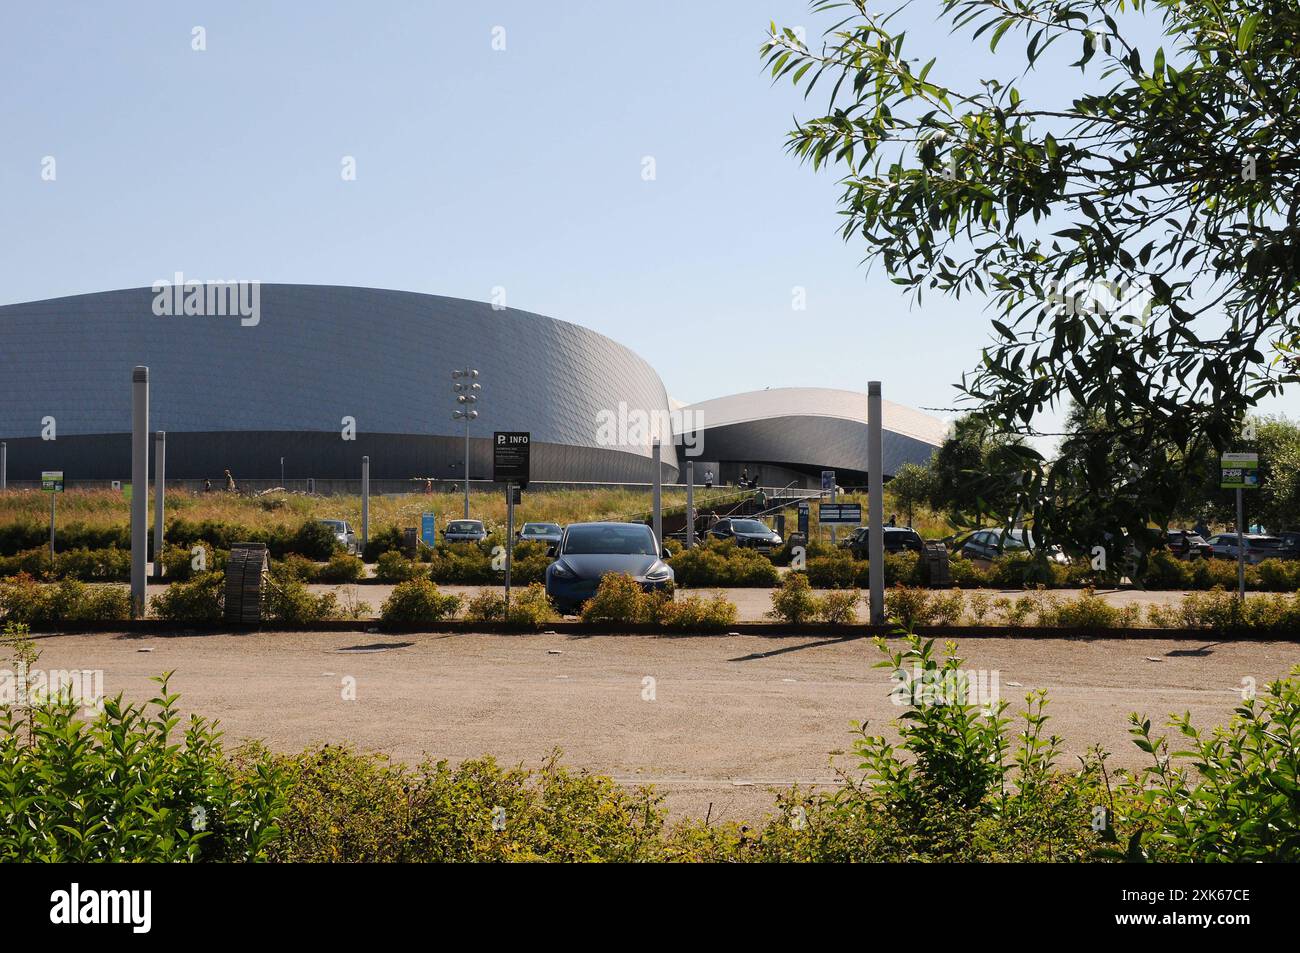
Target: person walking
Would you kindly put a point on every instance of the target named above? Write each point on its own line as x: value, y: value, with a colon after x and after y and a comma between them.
x: 207, y: 486
x: 230, y: 482
x: 708, y: 479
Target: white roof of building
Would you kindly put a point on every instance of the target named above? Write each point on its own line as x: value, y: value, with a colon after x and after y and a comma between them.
x: 813, y: 402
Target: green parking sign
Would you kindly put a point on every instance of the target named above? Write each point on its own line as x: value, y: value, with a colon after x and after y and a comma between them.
x: 1239, y: 471
x: 52, y: 481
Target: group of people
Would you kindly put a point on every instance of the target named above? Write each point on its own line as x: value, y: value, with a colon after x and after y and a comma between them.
x: 231, y: 486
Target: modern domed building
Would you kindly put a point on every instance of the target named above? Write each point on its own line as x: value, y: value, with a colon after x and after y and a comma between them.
x: 323, y: 375
x: 788, y: 435
x: 240, y: 392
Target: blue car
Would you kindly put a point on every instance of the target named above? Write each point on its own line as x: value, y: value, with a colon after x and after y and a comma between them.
x: 587, y: 551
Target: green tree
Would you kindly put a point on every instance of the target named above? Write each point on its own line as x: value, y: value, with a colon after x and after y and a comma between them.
x: 975, y: 472
x: 912, y: 485
x: 1139, y: 245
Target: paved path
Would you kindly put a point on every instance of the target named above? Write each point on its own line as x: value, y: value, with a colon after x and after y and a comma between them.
x: 730, y: 715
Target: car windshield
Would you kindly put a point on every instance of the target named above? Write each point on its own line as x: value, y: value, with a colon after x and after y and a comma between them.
x: 1264, y: 542
x: 540, y: 529
x: 748, y: 526
x: 463, y: 526
x: 336, y: 525
x: 610, y: 539
x: 1016, y: 539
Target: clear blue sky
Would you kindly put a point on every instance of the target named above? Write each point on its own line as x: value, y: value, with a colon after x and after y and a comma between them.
x: 475, y: 168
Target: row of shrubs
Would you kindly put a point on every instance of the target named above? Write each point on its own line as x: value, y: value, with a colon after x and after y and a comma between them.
x: 964, y: 782
x: 309, y: 538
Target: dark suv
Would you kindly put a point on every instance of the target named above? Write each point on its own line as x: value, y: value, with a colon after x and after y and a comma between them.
x: 898, y: 539
x: 1185, y: 544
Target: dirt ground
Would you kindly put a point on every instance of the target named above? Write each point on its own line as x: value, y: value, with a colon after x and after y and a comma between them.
x: 713, y: 722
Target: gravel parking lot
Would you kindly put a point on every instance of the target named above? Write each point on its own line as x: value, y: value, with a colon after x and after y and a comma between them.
x: 712, y: 721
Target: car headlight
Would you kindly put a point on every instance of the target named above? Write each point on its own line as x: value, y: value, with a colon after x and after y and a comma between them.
x: 658, y: 572
x: 561, y: 571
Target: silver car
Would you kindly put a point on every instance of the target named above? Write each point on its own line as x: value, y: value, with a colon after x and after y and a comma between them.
x: 464, y: 531
x: 343, y: 533
x: 548, y: 534
x: 1257, y: 547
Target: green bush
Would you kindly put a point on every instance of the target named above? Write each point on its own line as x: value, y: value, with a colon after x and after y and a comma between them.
x: 293, y: 566
x: 24, y: 600
x: 342, y: 568
x: 315, y: 540
x: 909, y: 606
x: 198, y: 599
x: 347, y: 807
x: 837, y: 571
x: 178, y: 561
x: 388, y: 538
x: 418, y: 602
x: 125, y: 786
x: 392, y: 566
x: 838, y: 608
x: 465, y: 564
x: 1087, y: 611
x: 693, y: 611
x: 722, y: 563
x: 618, y: 598
x: 286, y: 599
x: 794, y: 601
x: 528, y: 606
x: 1228, y: 795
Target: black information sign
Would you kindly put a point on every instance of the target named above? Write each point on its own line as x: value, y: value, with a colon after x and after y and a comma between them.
x: 510, y: 450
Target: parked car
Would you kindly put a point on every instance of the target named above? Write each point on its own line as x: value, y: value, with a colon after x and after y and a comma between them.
x: 898, y: 539
x: 587, y: 551
x: 986, y: 545
x: 464, y: 531
x: 1290, y: 548
x: 546, y: 533
x: 1186, y: 544
x: 746, y: 532
x: 342, y: 530
x: 1257, y: 546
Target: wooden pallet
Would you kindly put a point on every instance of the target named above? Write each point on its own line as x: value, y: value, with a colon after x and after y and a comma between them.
x: 245, y: 574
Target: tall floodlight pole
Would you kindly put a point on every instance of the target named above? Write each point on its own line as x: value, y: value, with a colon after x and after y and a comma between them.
x: 4, y: 465
x: 690, y: 504
x: 139, y: 486
x: 365, y: 503
x: 875, y: 505
x: 467, y: 388
x: 656, y: 455
x: 159, y: 491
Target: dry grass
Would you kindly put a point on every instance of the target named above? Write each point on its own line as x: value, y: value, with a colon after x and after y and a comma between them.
x: 103, y: 508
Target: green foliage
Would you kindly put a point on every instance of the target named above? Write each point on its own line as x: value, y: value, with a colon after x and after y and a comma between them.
x: 793, y: 601
x: 392, y: 566
x: 1133, y: 236
x: 618, y: 598
x: 838, y: 607
x: 529, y: 606
x: 293, y: 566
x: 1229, y: 795
x: 722, y: 563
x: 126, y: 786
x: 346, y: 807
x: 23, y: 599
x: 693, y: 611
x: 286, y: 599
x: 198, y: 599
x: 417, y: 602
x: 342, y: 567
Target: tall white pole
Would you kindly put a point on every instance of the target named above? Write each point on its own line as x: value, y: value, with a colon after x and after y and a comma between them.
x: 159, y: 491
x: 658, y: 494
x: 139, y: 486
x: 875, y: 505
x: 4, y: 465
x: 690, y: 504
x: 466, y: 464
x: 365, y: 503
